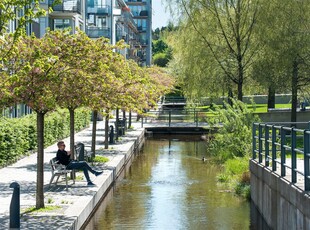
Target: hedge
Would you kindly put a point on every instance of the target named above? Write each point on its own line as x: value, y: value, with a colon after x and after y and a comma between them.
x: 18, y: 135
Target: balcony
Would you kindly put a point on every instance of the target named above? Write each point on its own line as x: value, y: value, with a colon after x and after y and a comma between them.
x: 73, y: 6
x: 136, y: 2
x: 98, y: 9
x: 144, y: 42
x: 141, y: 29
x: 97, y: 32
x: 140, y: 14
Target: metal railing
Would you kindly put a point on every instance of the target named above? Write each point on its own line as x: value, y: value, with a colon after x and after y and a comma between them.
x: 277, y: 143
x: 177, y: 117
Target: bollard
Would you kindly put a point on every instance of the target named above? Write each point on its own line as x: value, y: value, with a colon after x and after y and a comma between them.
x: 81, y: 151
x: 111, y: 135
x: 15, y: 206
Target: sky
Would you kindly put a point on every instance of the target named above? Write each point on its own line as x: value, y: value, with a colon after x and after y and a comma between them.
x: 160, y: 16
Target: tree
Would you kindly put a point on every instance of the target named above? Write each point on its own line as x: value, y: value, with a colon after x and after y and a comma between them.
x: 225, y: 29
x: 33, y: 82
x: 286, y: 35
x: 103, y: 83
x: 76, y: 61
x: 23, y: 11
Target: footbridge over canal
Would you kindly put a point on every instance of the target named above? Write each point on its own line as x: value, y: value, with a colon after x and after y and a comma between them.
x: 177, y: 121
x: 280, y: 174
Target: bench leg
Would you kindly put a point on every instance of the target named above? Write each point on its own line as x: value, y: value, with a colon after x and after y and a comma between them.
x: 51, y: 180
x: 66, y: 181
x: 57, y: 179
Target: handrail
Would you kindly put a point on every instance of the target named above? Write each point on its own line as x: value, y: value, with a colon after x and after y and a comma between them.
x: 192, y: 116
x: 273, y: 138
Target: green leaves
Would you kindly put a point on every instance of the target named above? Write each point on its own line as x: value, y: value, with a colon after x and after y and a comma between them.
x: 234, y: 138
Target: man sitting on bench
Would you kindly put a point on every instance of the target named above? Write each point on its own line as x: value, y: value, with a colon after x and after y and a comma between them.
x: 63, y: 157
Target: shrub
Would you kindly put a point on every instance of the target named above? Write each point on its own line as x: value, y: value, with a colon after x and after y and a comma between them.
x: 234, y: 137
x: 100, y: 159
x: 18, y: 135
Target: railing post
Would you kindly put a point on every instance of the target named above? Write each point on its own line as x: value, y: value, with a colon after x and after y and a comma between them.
x: 260, y: 143
x: 254, y: 141
x: 195, y: 116
x: 283, y: 159
x: 306, y: 159
x: 169, y: 118
x: 293, y: 153
x: 266, y: 145
x: 196, y: 113
x: 274, y: 148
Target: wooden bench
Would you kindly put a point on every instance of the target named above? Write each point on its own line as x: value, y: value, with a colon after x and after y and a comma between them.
x: 59, y: 170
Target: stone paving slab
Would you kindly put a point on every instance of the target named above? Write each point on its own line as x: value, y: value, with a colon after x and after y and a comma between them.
x: 79, y: 200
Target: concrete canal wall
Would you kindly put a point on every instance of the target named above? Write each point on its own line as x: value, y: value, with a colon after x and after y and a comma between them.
x: 282, y: 204
x: 285, y: 116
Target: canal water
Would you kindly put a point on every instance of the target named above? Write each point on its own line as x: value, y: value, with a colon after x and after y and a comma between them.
x: 168, y: 186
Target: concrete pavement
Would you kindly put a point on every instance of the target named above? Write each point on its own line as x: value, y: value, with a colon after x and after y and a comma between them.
x: 69, y: 208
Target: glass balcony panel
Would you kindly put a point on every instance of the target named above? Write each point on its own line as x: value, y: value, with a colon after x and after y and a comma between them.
x: 96, y: 32
x: 66, y: 5
x: 136, y: 0
x: 98, y: 9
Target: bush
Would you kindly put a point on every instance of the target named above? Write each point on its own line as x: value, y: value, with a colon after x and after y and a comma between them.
x: 234, y: 137
x: 233, y: 143
x: 18, y: 135
x: 161, y: 59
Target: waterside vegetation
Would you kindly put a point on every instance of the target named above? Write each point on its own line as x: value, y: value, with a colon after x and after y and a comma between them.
x: 232, y: 144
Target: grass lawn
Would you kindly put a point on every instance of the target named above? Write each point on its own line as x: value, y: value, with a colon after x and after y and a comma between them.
x: 259, y: 108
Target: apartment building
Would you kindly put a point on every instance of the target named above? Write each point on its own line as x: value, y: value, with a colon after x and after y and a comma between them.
x: 130, y: 20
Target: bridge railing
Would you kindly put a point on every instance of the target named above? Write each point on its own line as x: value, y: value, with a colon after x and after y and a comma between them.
x: 283, y: 144
x: 174, y: 117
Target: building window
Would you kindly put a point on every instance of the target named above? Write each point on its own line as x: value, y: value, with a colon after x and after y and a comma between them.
x: 101, y: 3
x: 60, y: 24
x: 101, y: 21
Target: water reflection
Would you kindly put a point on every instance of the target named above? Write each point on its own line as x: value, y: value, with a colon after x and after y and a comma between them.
x: 170, y: 187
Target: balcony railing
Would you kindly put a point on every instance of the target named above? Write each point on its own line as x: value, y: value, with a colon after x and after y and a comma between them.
x: 66, y: 6
x: 136, y: 1
x: 144, y: 42
x: 141, y: 28
x: 99, y: 9
x: 96, y: 32
x: 140, y: 13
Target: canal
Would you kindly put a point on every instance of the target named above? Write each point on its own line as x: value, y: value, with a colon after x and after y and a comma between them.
x: 168, y: 186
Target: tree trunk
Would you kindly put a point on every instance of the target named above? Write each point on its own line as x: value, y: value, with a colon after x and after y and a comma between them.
x: 230, y: 96
x: 271, y: 97
x: 40, y: 161
x: 106, y: 132
x: 71, y: 111
x: 116, y: 124
x: 93, y: 139
x: 240, y: 93
x: 129, y: 120
x: 294, y: 92
x: 124, y: 118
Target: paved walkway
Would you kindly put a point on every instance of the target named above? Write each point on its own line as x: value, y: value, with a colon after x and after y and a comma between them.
x: 24, y: 172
